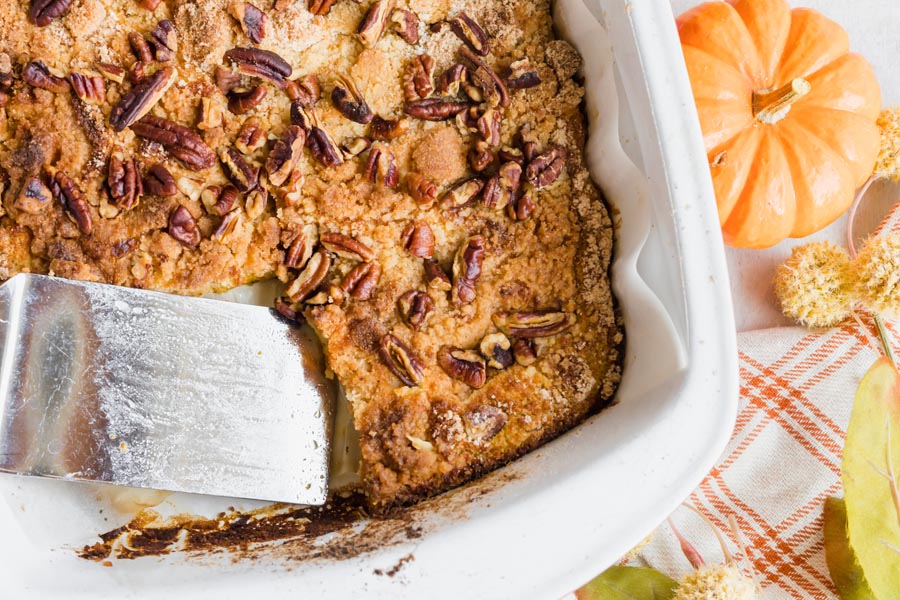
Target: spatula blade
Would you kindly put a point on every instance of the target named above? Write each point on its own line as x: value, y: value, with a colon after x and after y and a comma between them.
x: 115, y: 385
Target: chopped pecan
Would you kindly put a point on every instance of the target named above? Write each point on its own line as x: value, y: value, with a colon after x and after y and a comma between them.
x: 387, y: 129
x: 227, y: 226
x: 471, y: 33
x: 123, y: 247
x: 418, y: 239
x: 417, y: 77
x: 305, y: 91
x: 159, y: 181
x: 545, y: 168
x: 141, y: 98
x: 333, y: 294
x: 226, y: 79
x: 323, y: 147
x: 524, y: 351
x: 484, y: 423
x: 211, y: 115
x: 251, y: 136
x: 254, y: 22
x: 405, y: 23
x: 219, y: 201
x: 423, y: 190
x: 240, y: 102
x: 288, y: 310
x: 89, y: 87
x: 261, y: 63
x: 4, y: 99
x: 181, y: 142
x: 522, y: 206
x: 141, y: 47
x: 467, y: 269
x: 112, y: 72
x: 533, y: 324
x: 373, y: 24
x: 301, y: 248
x: 34, y: 197
x: 136, y: 72
x: 400, y: 360
x: 284, y: 155
x: 480, y: 156
x: 381, y: 167
x: 468, y: 119
x: 489, y: 124
x: 435, y: 276
x: 312, y: 275
x: 346, y: 246
x: 320, y: 7
x: 291, y: 192
x: 38, y: 75
x: 349, y: 100
x: 183, y: 227
x: 463, y: 365
x: 149, y: 4
x: 462, y: 193
x: 415, y: 307
x: 450, y: 80
x: 238, y: 170
x: 42, y: 12
x: 435, y: 109
x: 303, y: 118
x: 190, y: 187
x: 124, y: 181
x: 507, y: 154
x: 72, y: 200
x: 520, y: 76
x: 256, y: 201
x: 497, y: 351
x: 502, y: 188
x: 164, y: 39
x: 492, y: 86
x: 361, y: 280
x: 355, y: 146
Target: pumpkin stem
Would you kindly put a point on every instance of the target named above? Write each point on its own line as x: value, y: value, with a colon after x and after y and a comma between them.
x: 772, y: 106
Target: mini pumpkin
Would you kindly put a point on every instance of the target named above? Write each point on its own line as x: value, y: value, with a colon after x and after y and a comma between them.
x: 788, y: 116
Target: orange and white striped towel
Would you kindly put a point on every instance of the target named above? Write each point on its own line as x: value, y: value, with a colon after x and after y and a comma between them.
x: 783, y: 460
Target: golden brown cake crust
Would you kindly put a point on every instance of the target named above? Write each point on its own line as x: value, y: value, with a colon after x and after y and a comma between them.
x: 446, y: 379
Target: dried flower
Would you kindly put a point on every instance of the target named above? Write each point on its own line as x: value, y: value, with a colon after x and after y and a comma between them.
x: 876, y: 272
x: 815, y: 285
x: 887, y: 165
x: 716, y: 582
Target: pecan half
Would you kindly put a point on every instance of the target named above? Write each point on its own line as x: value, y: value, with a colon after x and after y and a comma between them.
x: 323, y: 148
x: 373, y: 24
x: 42, y: 12
x: 124, y: 181
x: 435, y: 276
x: 227, y: 226
x: 381, y: 166
x: 256, y: 201
x: 349, y: 100
x: 417, y: 77
x: 492, y: 86
x: 520, y: 76
x: 301, y: 248
x: 141, y: 47
x: 72, y: 200
x: 415, y: 307
x: 387, y: 129
x: 545, y: 168
x: 305, y: 91
x: 251, y: 136
x: 226, y: 79
x: 449, y: 82
x: 533, y: 324
x: 471, y: 33
x: 500, y: 189
x: 38, y: 75
x: 400, y: 360
x: 423, y: 190
x: 524, y: 351
x: 112, y: 72
x: 484, y: 423
x: 254, y: 22
x: 245, y: 101
x: 480, y: 156
x: 418, y: 239
x: 141, y: 98
x: 219, y: 201
x: 462, y: 193
x: 181, y: 142
x: 320, y: 7
x: 405, y: 23
x: 159, y: 181
x: 361, y: 280
x: 284, y: 155
x: 34, y: 197
x: 183, y: 227
x: 497, y: 351
x: 89, y: 87
x: 522, y: 206
x: 489, y: 124
x: 435, y: 109
x: 346, y: 246
x: 164, y: 39
x: 467, y: 269
x: 238, y: 170
x: 261, y: 63
x: 463, y: 365
x: 312, y: 275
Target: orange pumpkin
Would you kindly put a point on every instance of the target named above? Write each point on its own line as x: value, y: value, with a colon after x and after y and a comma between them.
x: 787, y: 112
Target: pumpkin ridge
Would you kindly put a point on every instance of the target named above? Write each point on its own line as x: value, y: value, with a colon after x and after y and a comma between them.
x: 712, y: 58
x: 769, y: 25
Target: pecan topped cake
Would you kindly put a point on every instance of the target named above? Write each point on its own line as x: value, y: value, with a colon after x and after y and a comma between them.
x: 412, y: 171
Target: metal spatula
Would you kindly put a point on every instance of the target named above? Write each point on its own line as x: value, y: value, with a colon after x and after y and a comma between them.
x: 129, y: 387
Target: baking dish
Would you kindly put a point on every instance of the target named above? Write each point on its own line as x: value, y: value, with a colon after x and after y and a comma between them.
x: 548, y: 522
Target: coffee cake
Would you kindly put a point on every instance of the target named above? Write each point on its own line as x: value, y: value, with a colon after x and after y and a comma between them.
x: 412, y: 170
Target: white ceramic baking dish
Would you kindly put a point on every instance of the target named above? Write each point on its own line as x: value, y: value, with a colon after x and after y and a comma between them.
x: 547, y: 523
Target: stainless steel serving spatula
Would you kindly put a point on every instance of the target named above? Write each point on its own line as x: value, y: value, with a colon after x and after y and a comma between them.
x: 115, y: 385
